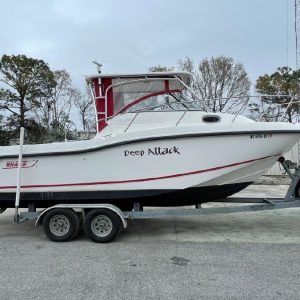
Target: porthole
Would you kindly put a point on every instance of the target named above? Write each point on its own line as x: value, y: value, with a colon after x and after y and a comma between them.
x: 211, y: 119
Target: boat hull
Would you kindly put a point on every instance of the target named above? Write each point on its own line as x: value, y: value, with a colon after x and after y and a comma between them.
x: 126, y: 199
x: 174, y: 170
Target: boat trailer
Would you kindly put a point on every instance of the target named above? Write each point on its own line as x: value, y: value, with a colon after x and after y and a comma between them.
x: 103, y: 222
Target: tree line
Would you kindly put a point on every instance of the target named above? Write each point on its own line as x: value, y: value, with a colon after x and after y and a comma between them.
x: 225, y: 87
x: 43, y: 100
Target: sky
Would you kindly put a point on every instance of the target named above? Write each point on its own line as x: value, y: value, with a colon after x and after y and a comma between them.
x: 130, y: 36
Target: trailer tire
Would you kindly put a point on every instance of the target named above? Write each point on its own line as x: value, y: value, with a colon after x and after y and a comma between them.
x: 61, y: 224
x: 102, y: 225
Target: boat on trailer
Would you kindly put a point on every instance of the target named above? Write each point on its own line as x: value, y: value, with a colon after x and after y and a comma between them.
x: 154, y: 146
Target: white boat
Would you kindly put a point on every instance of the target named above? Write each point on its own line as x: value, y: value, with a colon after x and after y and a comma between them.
x: 152, y: 147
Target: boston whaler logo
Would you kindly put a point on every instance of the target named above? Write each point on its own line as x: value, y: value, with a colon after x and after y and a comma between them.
x: 13, y: 164
x: 156, y: 151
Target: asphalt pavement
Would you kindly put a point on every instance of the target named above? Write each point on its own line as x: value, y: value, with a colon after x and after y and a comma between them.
x: 235, y: 256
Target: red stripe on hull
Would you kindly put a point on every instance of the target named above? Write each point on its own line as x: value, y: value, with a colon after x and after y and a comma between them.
x: 142, y: 179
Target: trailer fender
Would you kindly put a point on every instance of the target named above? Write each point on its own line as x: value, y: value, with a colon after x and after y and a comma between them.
x: 111, y: 207
x: 39, y: 219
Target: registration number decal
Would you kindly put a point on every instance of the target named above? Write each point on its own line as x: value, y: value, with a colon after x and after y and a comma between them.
x: 260, y: 135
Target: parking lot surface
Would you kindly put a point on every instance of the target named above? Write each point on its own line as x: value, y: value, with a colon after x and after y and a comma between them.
x: 244, y: 255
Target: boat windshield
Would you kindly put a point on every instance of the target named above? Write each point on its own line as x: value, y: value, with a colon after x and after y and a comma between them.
x: 168, y: 101
x: 146, y: 94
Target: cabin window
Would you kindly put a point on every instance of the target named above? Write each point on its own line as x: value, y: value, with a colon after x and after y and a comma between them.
x: 130, y: 93
x: 211, y: 119
x: 139, y: 93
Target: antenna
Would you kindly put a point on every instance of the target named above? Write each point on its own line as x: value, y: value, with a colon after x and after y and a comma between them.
x: 98, y: 66
x: 297, y: 32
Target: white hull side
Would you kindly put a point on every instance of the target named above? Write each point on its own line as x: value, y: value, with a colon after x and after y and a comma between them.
x: 203, y: 161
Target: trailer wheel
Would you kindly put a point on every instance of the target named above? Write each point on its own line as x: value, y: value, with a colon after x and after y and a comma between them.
x: 102, y: 225
x: 61, y: 225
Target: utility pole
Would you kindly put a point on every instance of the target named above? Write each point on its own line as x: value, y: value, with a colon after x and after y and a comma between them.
x: 297, y: 36
x: 297, y: 32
